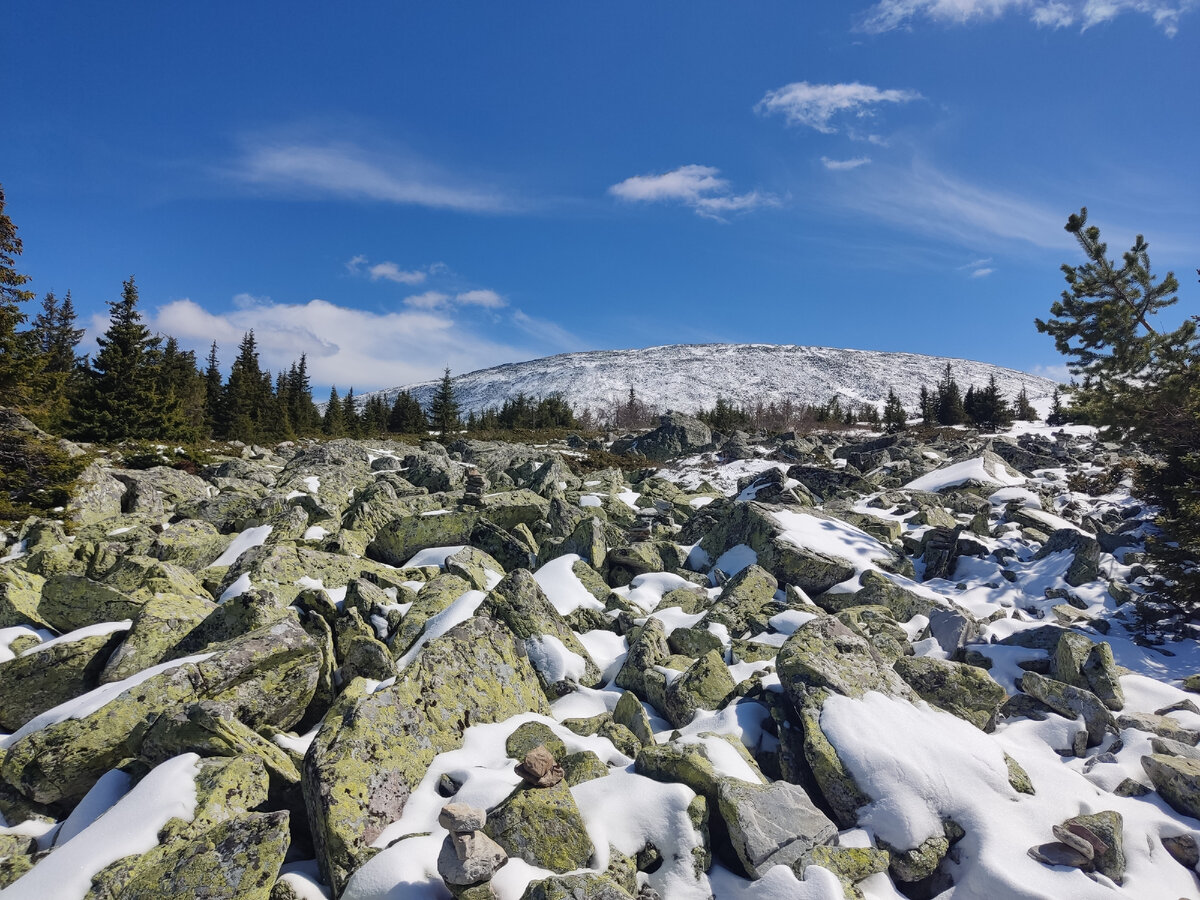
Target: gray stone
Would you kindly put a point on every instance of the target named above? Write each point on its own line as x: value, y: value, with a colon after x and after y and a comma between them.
x: 469, y: 858
x: 772, y: 824
x: 1070, y: 702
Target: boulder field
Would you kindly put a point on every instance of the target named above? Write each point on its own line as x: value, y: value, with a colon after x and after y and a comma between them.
x: 808, y: 666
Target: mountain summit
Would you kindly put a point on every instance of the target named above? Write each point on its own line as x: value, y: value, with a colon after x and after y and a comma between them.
x: 687, y: 377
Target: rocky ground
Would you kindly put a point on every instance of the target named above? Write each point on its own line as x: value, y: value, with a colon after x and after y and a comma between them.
x: 812, y: 667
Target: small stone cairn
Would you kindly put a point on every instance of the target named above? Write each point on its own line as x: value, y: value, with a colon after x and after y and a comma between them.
x: 475, y: 488
x: 468, y: 856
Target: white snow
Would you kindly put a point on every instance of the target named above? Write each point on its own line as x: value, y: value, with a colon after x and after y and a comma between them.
x: 969, y: 470
x: 312, y: 483
x: 315, y: 533
x: 432, y: 556
x: 562, y: 586
x: 97, y: 630
x: 112, y: 786
x: 550, y: 656
x: 455, y: 614
x: 131, y: 826
x: 831, y: 537
x: 251, y: 537
x: 8, y: 635
x: 735, y: 559
x: 240, y: 585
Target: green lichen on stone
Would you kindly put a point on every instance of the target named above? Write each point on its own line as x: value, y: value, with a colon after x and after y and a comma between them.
x: 434, y: 597
x: 837, y: 786
x: 542, y: 826
x: 693, y: 642
x: 917, y: 862
x: 581, y: 766
x: 647, y: 648
x: 532, y: 734
x: 73, y: 601
x: 161, y: 623
x: 43, y: 678
x: 585, y: 886
x: 1107, y: 825
x: 745, y: 603
x: 373, y: 749
x: 20, y: 594
x: 1177, y: 781
x: 850, y: 864
x: 706, y: 684
x: 473, y: 565
x: 1070, y: 702
x: 630, y: 713
x: 965, y: 691
x: 824, y: 655
x: 1018, y: 777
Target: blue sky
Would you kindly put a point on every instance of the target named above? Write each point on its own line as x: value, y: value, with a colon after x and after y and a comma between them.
x: 393, y: 188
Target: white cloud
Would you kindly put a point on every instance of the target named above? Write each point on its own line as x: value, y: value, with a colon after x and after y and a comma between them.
x: 842, y: 165
x: 546, y: 332
x: 982, y: 273
x: 816, y: 105
x: 347, y: 170
x: 428, y: 300
x: 699, y: 187
x: 389, y: 271
x: 345, y: 346
x: 484, y: 298
x: 891, y: 14
x: 1055, y: 372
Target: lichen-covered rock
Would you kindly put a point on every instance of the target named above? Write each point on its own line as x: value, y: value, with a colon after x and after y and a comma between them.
x: 630, y: 713
x: 918, y: 862
x: 1162, y: 726
x: 584, y: 886
x: 235, y: 860
x: 850, y: 864
x: 772, y: 824
x: 509, y: 550
x: 1070, y: 702
x: 469, y: 857
x: 286, y: 570
x: 1105, y: 832
x: 542, y: 826
x: 588, y: 540
x: 519, y: 602
x: 1018, y: 777
x: 691, y: 763
x: 97, y: 496
x: 966, y: 691
x: 823, y: 655
x: 192, y: 543
x: 529, y: 735
x: 1177, y: 781
x: 158, y: 627
x: 706, y: 684
x: 879, y: 590
x: 647, y: 648
x: 1066, y: 663
x: 746, y: 602
x: 434, y: 597
x: 841, y: 792
x: 45, y: 676
x: 1103, y: 677
x: 473, y: 565
x: 20, y: 595
x: 581, y: 766
x: 69, y: 602
x: 677, y: 435
x: 269, y: 676
x: 374, y: 748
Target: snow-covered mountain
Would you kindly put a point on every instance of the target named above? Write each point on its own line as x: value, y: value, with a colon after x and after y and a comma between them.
x: 687, y: 377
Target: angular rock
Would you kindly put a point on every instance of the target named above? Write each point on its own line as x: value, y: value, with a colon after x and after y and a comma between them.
x: 473, y: 565
x: 746, y: 602
x: 374, y: 748
x: 706, y: 684
x: 539, y: 768
x: 1070, y: 702
x: 773, y: 824
x: 965, y: 691
x: 1177, y: 781
x: 542, y: 826
x: 158, y: 627
x: 69, y: 602
x: 460, y: 818
x: 269, y: 675
x: 630, y: 713
x: 469, y: 858
x: 1085, y: 551
x: 825, y: 655
x: 584, y: 886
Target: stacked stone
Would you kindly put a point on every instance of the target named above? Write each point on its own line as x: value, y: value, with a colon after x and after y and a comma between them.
x: 469, y: 857
x: 475, y: 488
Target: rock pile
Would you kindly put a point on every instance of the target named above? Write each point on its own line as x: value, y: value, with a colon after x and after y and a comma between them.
x: 809, y: 664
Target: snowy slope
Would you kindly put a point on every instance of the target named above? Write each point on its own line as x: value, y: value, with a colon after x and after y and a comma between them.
x: 688, y: 376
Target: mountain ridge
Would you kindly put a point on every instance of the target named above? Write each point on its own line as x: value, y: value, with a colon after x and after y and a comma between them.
x: 686, y: 377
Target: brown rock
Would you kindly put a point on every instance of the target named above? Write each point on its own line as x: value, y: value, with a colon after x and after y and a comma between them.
x: 540, y: 768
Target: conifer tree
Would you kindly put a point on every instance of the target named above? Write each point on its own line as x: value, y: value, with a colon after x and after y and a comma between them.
x: 302, y: 412
x: 894, y: 417
x: 991, y: 410
x: 406, y: 416
x: 15, y: 346
x: 351, y: 420
x: 54, y: 377
x: 181, y: 391
x: 214, y: 395
x: 244, y: 398
x: 950, y: 408
x: 1024, y: 411
x: 334, y: 424
x: 927, y: 406
x: 1057, y: 415
x: 118, y: 396
x: 444, y: 409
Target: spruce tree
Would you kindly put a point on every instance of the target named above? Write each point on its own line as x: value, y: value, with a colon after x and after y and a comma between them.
x: 334, y: 424
x: 1024, y: 411
x: 244, y: 398
x: 118, y: 396
x: 1057, y: 415
x: 894, y: 417
x: 214, y: 395
x: 950, y: 409
x: 444, y: 409
x: 54, y: 377
x: 16, y: 347
x: 181, y: 391
x: 927, y: 407
x: 406, y: 416
x: 992, y: 411
x: 351, y: 420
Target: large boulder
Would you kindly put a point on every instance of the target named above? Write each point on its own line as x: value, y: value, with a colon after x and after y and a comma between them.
x: 677, y: 435
x: 746, y: 602
x: 771, y: 824
x: 1177, y: 781
x: 1071, y: 702
x: 373, y: 748
x: 1084, y: 550
x: 542, y: 826
x: 558, y: 657
x: 824, y: 657
x: 269, y: 676
x: 966, y: 691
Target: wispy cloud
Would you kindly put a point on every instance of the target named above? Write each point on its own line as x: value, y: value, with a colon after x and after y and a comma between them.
x: 386, y: 271
x: 925, y: 199
x: 344, y: 169
x: 698, y: 187
x: 1055, y: 372
x: 546, y: 332
x: 441, y: 300
x: 817, y: 105
x: 888, y: 15
x: 844, y: 165
x: 982, y: 273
